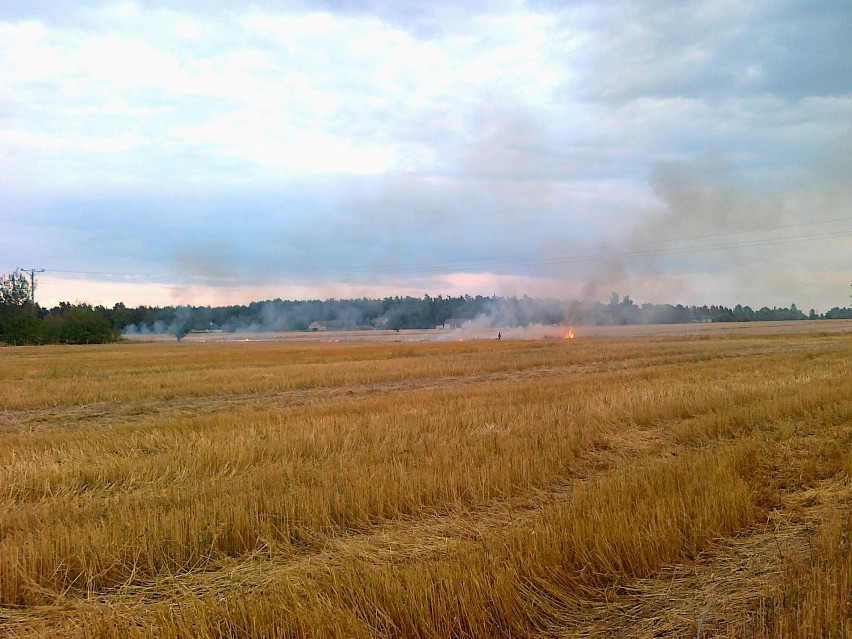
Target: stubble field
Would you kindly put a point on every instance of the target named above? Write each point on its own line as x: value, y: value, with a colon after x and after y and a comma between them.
x: 616, y: 486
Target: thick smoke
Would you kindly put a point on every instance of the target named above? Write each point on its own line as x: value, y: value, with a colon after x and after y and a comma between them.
x: 517, y: 312
x: 179, y: 325
x: 714, y: 232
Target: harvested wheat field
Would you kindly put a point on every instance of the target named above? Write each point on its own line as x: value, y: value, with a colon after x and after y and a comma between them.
x: 641, y: 486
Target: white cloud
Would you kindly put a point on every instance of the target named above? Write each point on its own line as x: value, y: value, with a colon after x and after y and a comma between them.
x: 15, y: 140
x: 430, y: 134
x: 342, y: 80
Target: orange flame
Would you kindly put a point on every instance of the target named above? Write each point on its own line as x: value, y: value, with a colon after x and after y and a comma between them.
x: 569, y: 335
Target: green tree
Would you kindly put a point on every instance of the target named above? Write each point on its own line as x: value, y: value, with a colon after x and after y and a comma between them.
x: 18, y: 317
x: 15, y: 289
x: 19, y: 324
x: 76, y: 324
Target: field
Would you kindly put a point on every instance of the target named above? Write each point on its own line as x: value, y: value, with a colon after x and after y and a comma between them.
x: 620, y: 484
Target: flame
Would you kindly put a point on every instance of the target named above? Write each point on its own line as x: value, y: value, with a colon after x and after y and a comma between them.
x: 569, y: 335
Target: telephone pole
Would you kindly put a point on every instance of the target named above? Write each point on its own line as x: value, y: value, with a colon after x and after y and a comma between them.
x: 32, y: 272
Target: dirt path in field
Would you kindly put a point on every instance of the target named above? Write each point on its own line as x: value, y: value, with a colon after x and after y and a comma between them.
x: 730, y: 586
x: 139, y: 411
x: 726, y: 588
x: 109, y: 415
x: 405, y: 336
x: 727, y: 582
x: 116, y: 414
x: 425, y: 537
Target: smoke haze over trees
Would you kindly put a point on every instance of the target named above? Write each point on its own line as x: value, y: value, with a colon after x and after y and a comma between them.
x: 429, y: 312
x: 66, y: 323
x: 23, y: 322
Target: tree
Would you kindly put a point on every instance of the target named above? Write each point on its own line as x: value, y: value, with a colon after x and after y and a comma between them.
x: 76, y: 324
x: 18, y: 317
x: 19, y: 325
x: 14, y: 289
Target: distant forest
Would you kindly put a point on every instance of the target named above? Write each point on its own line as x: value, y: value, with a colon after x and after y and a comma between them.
x: 397, y: 313
x: 23, y: 322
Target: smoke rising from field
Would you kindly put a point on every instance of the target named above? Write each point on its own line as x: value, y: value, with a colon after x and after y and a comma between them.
x: 714, y: 228
x: 178, y: 325
x: 702, y: 229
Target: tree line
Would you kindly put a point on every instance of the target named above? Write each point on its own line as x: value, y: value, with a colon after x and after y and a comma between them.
x: 24, y: 322
x: 399, y: 313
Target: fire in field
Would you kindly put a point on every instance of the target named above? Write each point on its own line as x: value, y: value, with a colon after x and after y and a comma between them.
x: 690, y: 485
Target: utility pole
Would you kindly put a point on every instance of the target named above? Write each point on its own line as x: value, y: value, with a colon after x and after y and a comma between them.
x: 32, y: 272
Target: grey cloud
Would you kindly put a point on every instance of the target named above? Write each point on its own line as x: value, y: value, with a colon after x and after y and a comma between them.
x: 764, y: 236
x: 708, y: 50
x: 704, y: 198
x: 512, y: 142
x: 210, y: 262
x: 690, y: 119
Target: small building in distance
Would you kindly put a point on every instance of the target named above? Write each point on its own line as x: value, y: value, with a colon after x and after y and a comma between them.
x: 211, y: 328
x: 335, y: 325
x: 455, y: 322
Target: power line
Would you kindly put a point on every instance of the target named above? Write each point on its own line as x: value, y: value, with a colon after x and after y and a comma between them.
x: 596, y: 253
x: 639, y: 249
x: 113, y: 273
x: 576, y: 256
x: 32, y: 272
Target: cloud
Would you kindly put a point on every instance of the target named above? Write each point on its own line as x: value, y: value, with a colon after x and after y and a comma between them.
x: 707, y: 50
x: 509, y: 144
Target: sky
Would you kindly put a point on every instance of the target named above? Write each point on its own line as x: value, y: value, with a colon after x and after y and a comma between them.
x: 213, y: 153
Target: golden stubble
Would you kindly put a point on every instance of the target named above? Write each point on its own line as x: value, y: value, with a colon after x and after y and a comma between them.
x: 429, y: 490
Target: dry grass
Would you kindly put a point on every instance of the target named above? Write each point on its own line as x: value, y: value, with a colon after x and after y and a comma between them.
x: 523, y: 488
